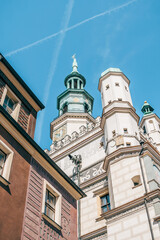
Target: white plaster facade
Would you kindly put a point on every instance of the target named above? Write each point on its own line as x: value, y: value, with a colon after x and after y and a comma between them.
x: 109, y: 147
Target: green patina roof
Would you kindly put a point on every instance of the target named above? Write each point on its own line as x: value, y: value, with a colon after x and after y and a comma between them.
x: 75, y: 74
x: 82, y: 91
x: 146, y: 108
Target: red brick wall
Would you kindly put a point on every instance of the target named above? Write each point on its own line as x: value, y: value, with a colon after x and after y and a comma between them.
x: 34, y: 225
x: 2, y: 84
x: 12, y: 198
x: 23, y: 117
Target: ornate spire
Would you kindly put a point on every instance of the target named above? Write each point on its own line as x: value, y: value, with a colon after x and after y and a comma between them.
x: 146, y: 108
x: 74, y: 65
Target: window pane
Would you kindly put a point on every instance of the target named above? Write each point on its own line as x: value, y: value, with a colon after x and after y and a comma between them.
x: 104, y: 209
x: 51, y: 200
x: 103, y: 200
x: 8, y: 104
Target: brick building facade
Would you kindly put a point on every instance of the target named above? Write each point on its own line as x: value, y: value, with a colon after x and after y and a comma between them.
x: 38, y: 200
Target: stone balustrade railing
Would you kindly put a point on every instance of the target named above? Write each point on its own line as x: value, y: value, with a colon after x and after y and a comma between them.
x: 68, y: 139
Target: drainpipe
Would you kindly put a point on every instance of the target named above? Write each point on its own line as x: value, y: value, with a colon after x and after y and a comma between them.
x: 145, y: 188
x: 77, y: 160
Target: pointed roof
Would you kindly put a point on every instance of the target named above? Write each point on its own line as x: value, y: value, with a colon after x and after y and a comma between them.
x: 74, y: 65
x: 146, y: 108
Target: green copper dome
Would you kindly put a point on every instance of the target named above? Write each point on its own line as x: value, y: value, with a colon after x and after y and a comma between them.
x: 146, y: 108
x: 75, y: 99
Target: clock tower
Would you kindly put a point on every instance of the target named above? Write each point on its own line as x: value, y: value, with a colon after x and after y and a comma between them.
x: 74, y: 105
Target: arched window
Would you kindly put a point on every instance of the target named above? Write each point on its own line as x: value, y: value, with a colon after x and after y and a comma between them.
x: 75, y: 83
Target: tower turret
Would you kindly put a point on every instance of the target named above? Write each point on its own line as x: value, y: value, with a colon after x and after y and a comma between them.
x: 150, y: 124
x: 74, y: 104
x: 75, y: 98
x: 119, y: 119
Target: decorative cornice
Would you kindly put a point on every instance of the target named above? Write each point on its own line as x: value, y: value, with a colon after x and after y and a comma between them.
x: 149, y: 150
x: 78, y: 143
x: 67, y: 116
x: 95, y: 233
x: 119, y: 110
x: 114, y: 74
x: 94, y: 180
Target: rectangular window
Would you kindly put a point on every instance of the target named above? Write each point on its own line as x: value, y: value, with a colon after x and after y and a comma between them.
x: 2, y: 161
x: 9, y: 104
x: 117, y: 84
x: 105, y: 203
x: 51, y: 205
x: 125, y: 130
x: 119, y: 99
x: 109, y: 101
x: 128, y: 144
x: 6, y: 157
x: 50, y: 202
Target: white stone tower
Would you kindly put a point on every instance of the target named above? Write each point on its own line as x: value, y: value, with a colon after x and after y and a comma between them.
x: 119, y: 119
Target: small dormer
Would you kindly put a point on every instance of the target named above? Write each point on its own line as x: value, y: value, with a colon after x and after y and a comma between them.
x: 17, y: 99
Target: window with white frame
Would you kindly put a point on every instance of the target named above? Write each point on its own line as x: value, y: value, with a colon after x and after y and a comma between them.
x: 10, y: 102
x: 6, y: 157
x: 50, y: 202
x: 51, y: 206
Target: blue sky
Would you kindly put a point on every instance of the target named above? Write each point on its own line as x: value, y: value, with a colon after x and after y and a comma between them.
x: 38, y: 38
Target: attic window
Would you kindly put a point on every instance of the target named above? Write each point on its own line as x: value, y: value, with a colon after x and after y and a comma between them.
x: 136, y: 180
x: 119, y: 99
x: 10, y: 103
x: 117, y: 84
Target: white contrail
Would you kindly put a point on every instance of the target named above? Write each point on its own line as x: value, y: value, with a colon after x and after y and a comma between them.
x: 70, y: 28
x: 53, y: 66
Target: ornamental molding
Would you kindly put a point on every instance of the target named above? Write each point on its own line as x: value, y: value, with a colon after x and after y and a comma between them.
x: 119, y: 110
x: 131, y: 151
x: 96, y: 234
x: 62, y: 149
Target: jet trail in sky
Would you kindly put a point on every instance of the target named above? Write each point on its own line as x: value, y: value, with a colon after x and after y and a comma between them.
x: 53, y: 66
x: 69, y: 28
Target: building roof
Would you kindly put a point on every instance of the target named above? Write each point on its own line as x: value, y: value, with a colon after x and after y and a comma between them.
x: 20, y: 80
